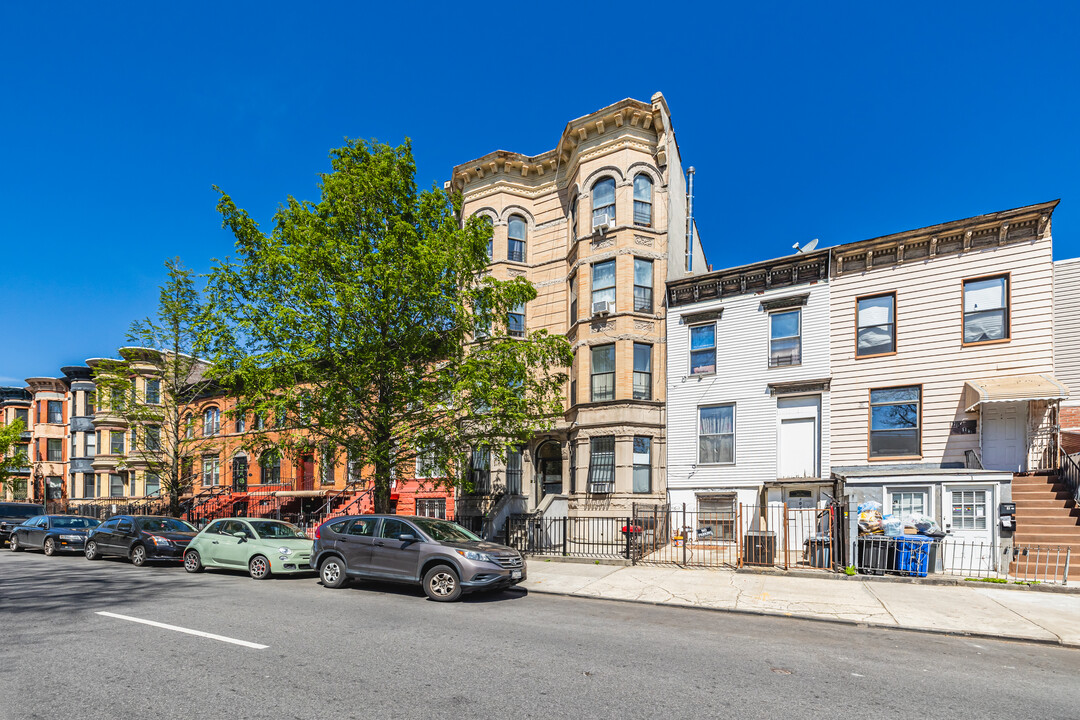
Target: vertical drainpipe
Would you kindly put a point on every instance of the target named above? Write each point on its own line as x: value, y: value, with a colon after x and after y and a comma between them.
x: 690, y: 220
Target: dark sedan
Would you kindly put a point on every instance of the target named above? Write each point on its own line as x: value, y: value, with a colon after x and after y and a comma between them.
x: 140, y: 538
x: 52, y: 533
x: 13, y: 514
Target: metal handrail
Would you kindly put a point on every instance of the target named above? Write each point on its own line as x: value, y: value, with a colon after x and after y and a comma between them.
x: 1070, y: 473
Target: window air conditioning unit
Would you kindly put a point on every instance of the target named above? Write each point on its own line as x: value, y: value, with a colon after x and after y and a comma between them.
x: 603, y: 223
x: 603, y: 307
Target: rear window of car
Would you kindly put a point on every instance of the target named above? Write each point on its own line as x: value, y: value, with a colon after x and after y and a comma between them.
x: 338, y: 527
x: 18, y: 510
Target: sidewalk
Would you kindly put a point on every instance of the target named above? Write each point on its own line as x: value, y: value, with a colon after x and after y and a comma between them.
x: 972, y: 609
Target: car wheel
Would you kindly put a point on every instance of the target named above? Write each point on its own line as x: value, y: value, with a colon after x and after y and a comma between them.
x: 138, y: 555
x: 192, y: 561
x: 13, y: 543
x: 49, y: 547
x: 332, y: 572
x: 259, y: 568
x: 91, y: 551
x: 441, y: 584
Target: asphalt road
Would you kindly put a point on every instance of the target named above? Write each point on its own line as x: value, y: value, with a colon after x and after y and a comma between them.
x: 375, y: 650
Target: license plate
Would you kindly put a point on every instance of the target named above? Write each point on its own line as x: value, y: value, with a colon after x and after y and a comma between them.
x: 515, y: 574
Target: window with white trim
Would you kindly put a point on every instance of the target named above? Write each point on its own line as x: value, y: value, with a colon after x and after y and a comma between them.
x: 643, y: 200
x: 785, y: 338
x: 875, y: 325
x: 716, y: 434
x: 602, y: 386
x: 643, y: 285
x: 603, y: 202
x: 703, y: 349
x: 642, y: 464
x: 603, y: 284
x: 602, y: 464
x: 986, y: 309
x: 909, y: 501
x: 516, y: 234
x: 969, y: 509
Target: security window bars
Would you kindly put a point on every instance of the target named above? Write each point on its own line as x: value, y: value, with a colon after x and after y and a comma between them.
x: 642, y: 371
x: 431, y: 507
x: 642, y: 464
x: 153, y: 392
x: 55, y: 450
x: 116, y: 442
x: 643, y: 285
x: 716, y: 434
x: 894, y: 422
x: 969, y: 509
x: 986, y: 309
x: 603, y: 373
x: 603, y: 283
x: 603, y: 202
x: 703, y: 349
x: 516, y: 321
x: 875, y: 321
x: 116, y: 485
x: 785, y: 338
x: 643, y: 200
x: 56, y: 412
x: 516, y: 236
x: 513, y: 470
x: 211, y: 471
x: 602, y: 464
x: 909, y: 502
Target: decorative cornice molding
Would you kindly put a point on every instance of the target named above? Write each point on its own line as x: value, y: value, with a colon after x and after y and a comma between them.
x: 788, y: 301
x: 796, y: 387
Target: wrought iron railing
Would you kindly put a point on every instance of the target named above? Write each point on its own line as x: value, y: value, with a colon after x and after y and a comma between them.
x: 1069, y: 472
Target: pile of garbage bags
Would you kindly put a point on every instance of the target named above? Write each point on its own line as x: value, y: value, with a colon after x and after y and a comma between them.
x: 873, y: 522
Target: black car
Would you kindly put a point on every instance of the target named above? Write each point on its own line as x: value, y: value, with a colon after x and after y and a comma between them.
x: 12, y: 514
x: 140, y: 538
x: 52, y: 533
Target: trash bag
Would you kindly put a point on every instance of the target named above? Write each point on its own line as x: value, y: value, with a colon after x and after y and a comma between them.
x: 921, y: 522
x: 870, y: 518
x: 892, y: 525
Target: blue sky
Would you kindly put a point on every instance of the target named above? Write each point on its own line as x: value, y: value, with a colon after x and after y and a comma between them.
x: 839, y: 121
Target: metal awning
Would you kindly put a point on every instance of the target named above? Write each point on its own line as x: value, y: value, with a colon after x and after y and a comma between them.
x: 1013, y: 388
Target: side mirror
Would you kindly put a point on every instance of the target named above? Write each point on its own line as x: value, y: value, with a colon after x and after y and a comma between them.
x: 407, y: 537
x: 241, y: 534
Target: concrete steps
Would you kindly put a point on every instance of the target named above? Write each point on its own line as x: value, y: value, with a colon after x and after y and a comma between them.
x: 1046, y: 513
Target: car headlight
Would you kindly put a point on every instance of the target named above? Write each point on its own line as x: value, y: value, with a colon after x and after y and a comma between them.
x: 71, y: 538
x: 473, y: 555
x: 285, y: 550
x: 158, y: 540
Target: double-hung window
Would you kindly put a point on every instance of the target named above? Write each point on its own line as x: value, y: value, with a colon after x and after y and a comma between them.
x: 211, y: 422
x: 153, y: 392
x: 603, y: 285
x: 986, y: 309
x: 153, y: 438
x: 603, y: 202
x: 514, y: 467
x: 488, y: 226
x: 643, y: 285
x: 151, y: 484
x: 516, y: 236
x: 573, y: 298
x: 116, y: 485
x: 211, y: 471
x: 909, y: 502
x: 875, y: 325
x: 603, y: 373
x: 55, y: 450
x: 894, y: 422
x: 425, y: 463
x: 602, y: 464
x: 643, y: 200
x: 116, y: 442
x: 785, y: 338
x: 56, y: 412
x: 642, y: 371
x: 703, y: 349
x: 90, y: 445
x: 515, y: 322
x: 89, y: 485
x: 241, y: 423
x: 573, y: 218
x: 642, y: 464
x: 480, y: 470
x: 270, y: 467
x: 716, y: 434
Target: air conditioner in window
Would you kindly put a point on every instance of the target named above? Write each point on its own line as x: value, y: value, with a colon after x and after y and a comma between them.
x: 603, y: 223
x: 603, y: 307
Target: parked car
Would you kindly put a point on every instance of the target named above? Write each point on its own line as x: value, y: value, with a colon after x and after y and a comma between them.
x: 442, y: 557
x: 52, y: 533
x: 140, y: 538
x: 262, y: 546
x: 12, y: 514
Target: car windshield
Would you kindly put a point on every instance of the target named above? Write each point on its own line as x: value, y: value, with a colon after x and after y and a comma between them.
x: 444, y: 531
x: 75, y: 523
x: 271, y: 529
x: 20, y: 511
x: 165, y: 525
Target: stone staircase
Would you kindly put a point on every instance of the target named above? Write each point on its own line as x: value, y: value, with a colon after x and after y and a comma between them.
x: 1046, y: 513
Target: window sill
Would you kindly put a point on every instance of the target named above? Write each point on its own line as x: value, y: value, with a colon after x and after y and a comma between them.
x: 986, y: 342
x: 875, y: 355
x: 894, y: 458
x: 791, y: 365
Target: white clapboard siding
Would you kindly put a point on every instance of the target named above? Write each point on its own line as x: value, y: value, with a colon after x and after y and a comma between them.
x: 929, y: 323
x: 1067, y: 324
x: 743, y: 375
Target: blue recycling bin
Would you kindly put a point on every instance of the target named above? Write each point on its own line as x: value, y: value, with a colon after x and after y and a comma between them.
x: 913, y: 555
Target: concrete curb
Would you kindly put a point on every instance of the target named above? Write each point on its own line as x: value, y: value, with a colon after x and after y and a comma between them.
x: 811, y: 618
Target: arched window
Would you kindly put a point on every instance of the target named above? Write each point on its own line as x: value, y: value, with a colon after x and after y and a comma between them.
x: 516, y: 235
x: 489, y: 224
x: 603, y: 202
x: 189, y: 426
x: 270, y: 468
x: 211, y: 421
x: 643, y: 200
x: 549, y: 467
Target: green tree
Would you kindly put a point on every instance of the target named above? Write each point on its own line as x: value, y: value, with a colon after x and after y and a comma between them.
x: 13, y: 457
x: 149, y: 388
x: 368, y: 319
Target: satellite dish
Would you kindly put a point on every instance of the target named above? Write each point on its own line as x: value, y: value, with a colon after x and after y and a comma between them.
x: 807, y: 248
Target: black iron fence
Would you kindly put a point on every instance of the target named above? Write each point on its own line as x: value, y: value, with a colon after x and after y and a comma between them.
x: 584, y: 537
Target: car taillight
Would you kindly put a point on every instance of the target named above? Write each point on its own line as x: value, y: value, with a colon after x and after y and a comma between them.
x: 317, y: 531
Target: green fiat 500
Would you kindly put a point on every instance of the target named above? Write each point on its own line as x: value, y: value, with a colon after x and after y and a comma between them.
x: 262, y: 546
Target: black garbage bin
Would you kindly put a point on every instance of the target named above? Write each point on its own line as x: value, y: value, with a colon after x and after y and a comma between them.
x: 877, y: 554
x: 819, y: 551
x: 759, y: 548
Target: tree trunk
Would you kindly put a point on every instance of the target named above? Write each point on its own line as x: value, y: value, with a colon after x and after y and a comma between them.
x: 382, y: 436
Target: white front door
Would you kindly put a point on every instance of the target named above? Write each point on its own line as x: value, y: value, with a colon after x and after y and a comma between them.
x: 797, y: 455
x: 1004, y: 436
x: 969, y: 517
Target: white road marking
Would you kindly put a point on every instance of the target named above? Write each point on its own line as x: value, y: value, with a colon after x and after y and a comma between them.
x: 199, y: 633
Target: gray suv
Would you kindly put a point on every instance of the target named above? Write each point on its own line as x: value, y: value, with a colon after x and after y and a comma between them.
x: 443, y: 557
